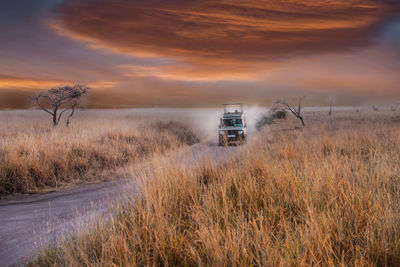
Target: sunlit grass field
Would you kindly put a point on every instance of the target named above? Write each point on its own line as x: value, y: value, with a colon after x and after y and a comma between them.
x: 327, y: 194
x: 36, y: 156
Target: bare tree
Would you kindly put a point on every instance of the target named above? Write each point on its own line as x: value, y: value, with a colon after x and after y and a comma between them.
x: 59, y: 100
x: 293, y: 110
x: 330, y: 109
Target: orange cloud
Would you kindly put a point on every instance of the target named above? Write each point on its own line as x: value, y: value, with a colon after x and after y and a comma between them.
x: 102, y: 84
x: 202, y: 71
x: 27, y: 84
x: 219, y: 40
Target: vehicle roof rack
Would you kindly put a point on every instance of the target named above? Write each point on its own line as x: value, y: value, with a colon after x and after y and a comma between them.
x: 233, y: 108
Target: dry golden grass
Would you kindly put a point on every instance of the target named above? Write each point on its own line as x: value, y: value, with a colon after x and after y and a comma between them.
x: 35, y: 156
x: 328, y: 194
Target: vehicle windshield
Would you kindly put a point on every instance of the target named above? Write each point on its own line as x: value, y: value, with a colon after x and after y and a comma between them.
x: 232, y: 122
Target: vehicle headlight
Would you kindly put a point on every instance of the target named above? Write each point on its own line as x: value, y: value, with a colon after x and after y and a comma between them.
x: 240, y: 132
x: 221, y: 132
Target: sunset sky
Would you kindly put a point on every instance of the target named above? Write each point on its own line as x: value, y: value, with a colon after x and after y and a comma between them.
x: 183, y: 53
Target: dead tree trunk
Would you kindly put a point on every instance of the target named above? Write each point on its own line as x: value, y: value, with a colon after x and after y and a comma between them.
x: 55, y: 122
x: 302, y: 121
x: 293, y: 110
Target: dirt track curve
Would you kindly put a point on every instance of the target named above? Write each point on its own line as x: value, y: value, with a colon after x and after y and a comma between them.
x: 29, y: 222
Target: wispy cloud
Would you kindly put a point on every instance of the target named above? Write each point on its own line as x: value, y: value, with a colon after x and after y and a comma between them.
x: 27, y: 84
x: 221, y: 39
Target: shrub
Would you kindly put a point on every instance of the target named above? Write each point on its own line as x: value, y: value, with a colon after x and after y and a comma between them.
x: 269, y: 119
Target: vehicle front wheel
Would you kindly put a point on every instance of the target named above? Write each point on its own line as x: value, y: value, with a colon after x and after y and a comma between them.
x: 222, y: 142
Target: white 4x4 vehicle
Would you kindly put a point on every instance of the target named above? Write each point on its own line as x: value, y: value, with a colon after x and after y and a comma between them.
x: 232, y: 128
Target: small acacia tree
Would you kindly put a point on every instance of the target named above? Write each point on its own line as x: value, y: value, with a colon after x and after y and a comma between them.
x: 59, y: 100
x: 282, y: 103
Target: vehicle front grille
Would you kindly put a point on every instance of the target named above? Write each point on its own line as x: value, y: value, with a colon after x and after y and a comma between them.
x: 232, y: 132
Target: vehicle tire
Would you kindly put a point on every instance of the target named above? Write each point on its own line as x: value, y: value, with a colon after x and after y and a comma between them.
x: 222, y: 142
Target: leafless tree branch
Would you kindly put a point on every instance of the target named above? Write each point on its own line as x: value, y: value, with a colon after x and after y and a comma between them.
x: 296, y: 112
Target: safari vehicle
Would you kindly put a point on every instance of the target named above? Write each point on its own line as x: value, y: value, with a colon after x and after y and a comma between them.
x: 232, y: 127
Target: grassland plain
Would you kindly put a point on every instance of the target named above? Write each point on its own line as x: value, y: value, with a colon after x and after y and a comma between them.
x: 327, y: 194
x: 37, y: 157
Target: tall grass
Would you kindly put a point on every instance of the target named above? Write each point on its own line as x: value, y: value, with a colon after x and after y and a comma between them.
x: 328, y: 194
x: 35, y: 156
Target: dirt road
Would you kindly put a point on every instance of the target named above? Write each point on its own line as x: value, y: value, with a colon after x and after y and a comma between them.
x: 29, y: 222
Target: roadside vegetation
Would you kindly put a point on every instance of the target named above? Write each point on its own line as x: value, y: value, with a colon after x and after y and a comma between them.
x: 327, y: 194
x: 36, y: 157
